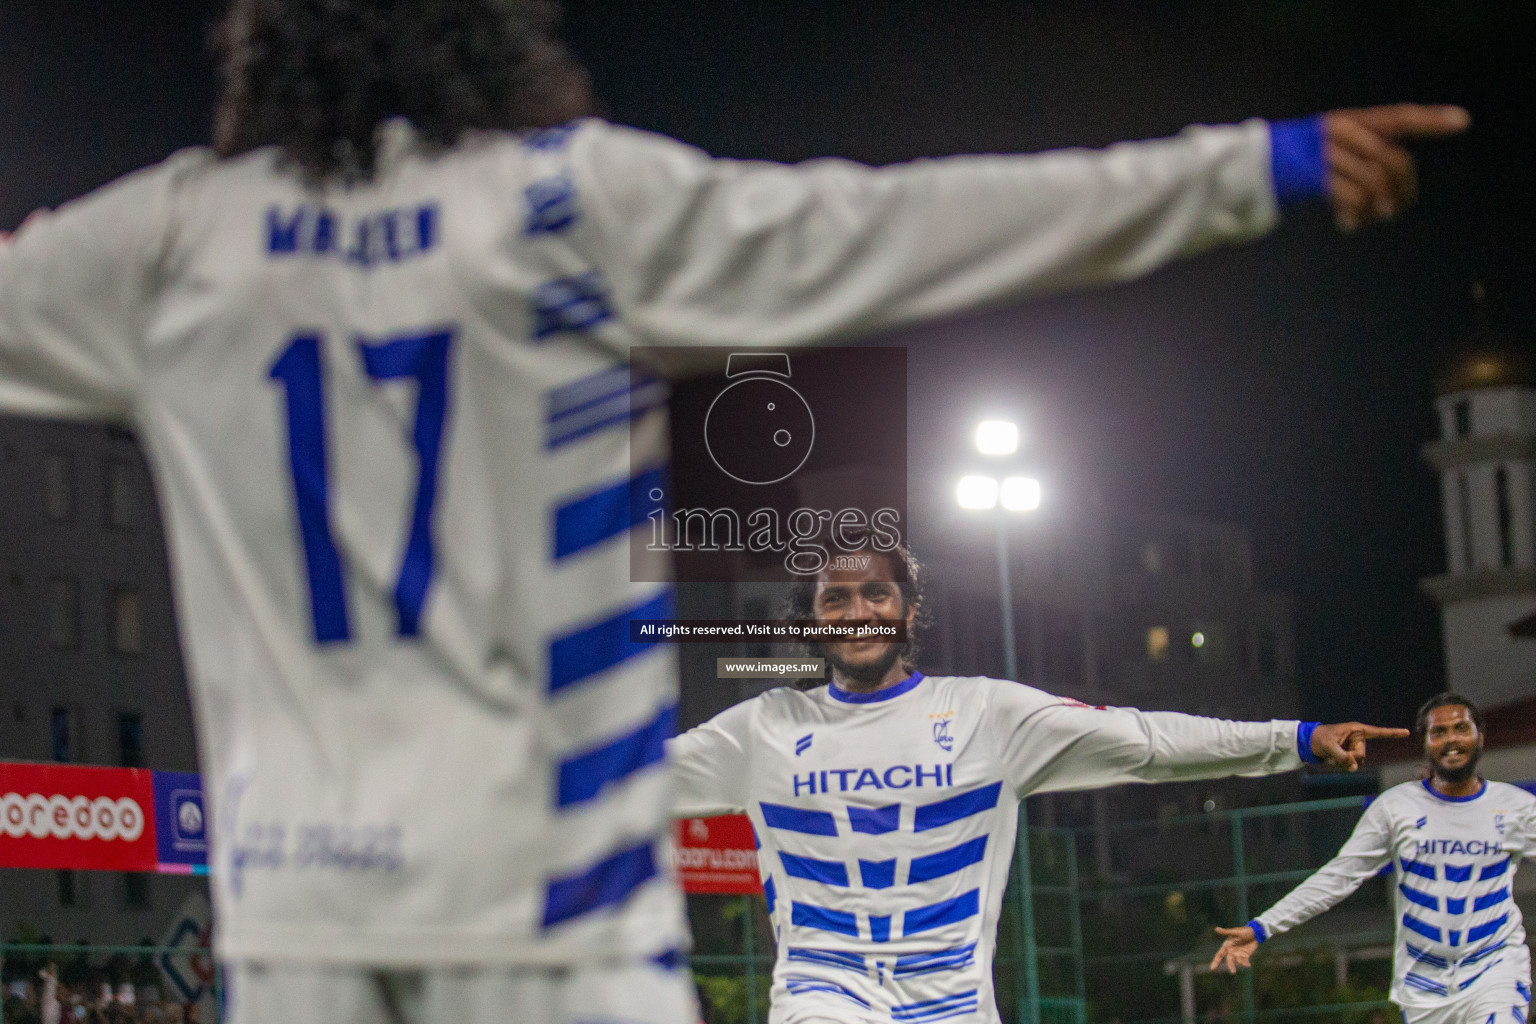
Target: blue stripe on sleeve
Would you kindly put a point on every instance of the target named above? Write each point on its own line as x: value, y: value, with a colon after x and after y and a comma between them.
x: 945, y: 812
x: 1259, y: 931
x: 1296, y: 160
x: 569, y: 304
x: 936, y: 915
x: 770, y: 893
x: 829, y: 872
x: 604, y: 884
x: 587, y: 521
x: 1304, y: 731
x: 808, y: 915
x: 583, y: 776
x: 875, y: 821
x: 599, y: 646
x: 947, y: 862
x: 793, y: 819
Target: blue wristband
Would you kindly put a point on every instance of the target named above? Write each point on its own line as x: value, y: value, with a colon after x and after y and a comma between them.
x: 1258, y: 930
x: 1296, y: 160
x: 1304, y: 732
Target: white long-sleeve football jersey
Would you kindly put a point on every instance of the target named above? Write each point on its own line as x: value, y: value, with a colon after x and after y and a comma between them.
x: 1455, y: 861
x: 886, y: 821
x: 394, y: 437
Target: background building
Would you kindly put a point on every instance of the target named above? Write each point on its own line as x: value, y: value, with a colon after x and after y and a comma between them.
x: 90, y: 667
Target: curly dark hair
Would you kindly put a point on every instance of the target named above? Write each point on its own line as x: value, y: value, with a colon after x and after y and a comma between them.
x: 318, y: 77
x: 801, y: 604
x: 1442, y: 700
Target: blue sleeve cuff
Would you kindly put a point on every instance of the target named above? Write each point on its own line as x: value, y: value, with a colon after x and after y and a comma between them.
x: 1304, y: 732
x: 1296, y: 160
x: 1258, y: 930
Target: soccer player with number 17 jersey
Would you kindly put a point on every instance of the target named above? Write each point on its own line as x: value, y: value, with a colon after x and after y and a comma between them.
x: 375, y: 343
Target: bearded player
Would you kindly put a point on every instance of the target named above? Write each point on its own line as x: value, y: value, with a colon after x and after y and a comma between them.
x: 374, y: 343
x: 886, y: 803
x: 1454, y: 840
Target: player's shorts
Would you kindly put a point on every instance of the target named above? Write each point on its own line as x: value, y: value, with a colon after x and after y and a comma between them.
x: 1502, y: 996
x: 289, y: 993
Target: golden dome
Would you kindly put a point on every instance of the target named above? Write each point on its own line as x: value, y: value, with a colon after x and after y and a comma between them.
x: 1487, y: 358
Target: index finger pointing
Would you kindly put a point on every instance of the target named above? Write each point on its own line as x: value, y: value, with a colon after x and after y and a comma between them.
x: 1414, y: 120
x: 1378, y: 732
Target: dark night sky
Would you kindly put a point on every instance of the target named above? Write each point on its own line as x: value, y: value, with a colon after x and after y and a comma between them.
x: 1286, y: 386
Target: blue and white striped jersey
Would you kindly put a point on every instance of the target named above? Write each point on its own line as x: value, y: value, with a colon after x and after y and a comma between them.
x: 886, y: 821
x: 1455, y: 861
x: 395, y: 439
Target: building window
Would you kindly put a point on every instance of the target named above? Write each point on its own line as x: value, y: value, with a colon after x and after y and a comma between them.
x: 69, y: 893
x: 1157, y: 643
x: 122, y: 495
x: 1506, y: 536
x: 130, y: 739
x: 1464, y: 499
x: 1463, y: 418
x: 135, y: 890
x: 64, y: 612
x: 64, y: 735
x: 58, y: 486
x: 127, y: 622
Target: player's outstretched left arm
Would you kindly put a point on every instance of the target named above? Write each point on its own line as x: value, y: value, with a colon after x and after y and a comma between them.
x: 1051, y: 744
x: 703, y: 251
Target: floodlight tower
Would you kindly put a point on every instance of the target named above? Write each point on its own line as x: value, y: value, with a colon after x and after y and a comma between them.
x: 1016, y: 494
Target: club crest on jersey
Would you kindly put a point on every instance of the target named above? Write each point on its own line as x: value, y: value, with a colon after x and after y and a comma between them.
x: 803, y: 744
x: 1498, y: 820
x: 941, y: 734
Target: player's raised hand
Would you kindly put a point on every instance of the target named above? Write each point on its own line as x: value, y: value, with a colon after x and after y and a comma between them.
x: 1237, y: 950
x: 1371, y: 176
x: 1343, y: 745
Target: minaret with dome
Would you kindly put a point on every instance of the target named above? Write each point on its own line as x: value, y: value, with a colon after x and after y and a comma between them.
x: 1486, y: 457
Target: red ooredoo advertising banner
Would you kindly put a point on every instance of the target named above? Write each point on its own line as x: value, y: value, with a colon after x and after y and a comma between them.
x: 71, y: 817
x: 717, y: 855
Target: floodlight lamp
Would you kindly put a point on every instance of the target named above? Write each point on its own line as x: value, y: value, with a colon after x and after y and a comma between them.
x: 997, y: 437
x: 1021, y: 494
x: 977, y: 493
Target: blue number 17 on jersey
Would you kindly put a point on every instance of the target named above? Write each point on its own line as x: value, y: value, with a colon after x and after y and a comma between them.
x: 298, y: 369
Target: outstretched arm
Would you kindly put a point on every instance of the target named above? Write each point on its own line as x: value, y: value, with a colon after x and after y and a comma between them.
x: 710, y: 765
x: 1367, y: 852
x: 699, y: 250
x: 1051, y: 744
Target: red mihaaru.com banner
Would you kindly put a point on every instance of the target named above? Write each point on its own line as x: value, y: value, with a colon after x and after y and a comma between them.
x: 717, y: 855
x: 68, y: 816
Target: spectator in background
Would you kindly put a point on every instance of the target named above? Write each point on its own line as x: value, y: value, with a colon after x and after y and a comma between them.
x: 48, y: 998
